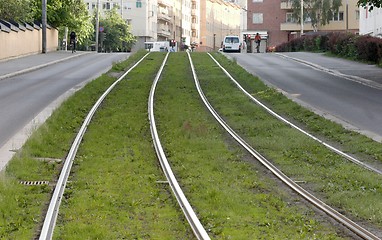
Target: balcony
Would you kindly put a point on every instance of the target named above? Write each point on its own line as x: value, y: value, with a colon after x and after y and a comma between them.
x: 164, y: 17
x: 286, y: 5
x: 163, y: 33
x: 164, y: 3
x: 289, y: 26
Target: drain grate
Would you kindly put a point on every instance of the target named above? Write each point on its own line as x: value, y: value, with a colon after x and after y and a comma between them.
x: 33, y: 183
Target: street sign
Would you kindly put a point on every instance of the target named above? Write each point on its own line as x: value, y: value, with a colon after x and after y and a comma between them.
x: 101, y: 29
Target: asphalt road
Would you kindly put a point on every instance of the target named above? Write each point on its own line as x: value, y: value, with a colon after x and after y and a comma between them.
x: 27, y: 96
x: 341, y: 90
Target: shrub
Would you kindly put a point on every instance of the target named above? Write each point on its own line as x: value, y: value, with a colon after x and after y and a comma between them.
x: 369, y: 49
x: 349, y: 45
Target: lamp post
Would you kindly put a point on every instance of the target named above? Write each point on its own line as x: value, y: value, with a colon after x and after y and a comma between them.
x: 44, y: 20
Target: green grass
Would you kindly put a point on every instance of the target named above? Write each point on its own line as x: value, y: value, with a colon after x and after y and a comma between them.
x: 117, y: 190
x: 115, y: 185
x: 347, y: 186
x: 351, y: 142
x: 232, y: 198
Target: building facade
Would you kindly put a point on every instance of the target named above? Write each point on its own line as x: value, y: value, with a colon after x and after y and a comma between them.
x: 370, y: 22
x: 273, y: 18
x: 218, y: 19
x: 184, y: 21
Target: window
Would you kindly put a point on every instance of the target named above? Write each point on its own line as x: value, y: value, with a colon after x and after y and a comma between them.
x: 339, y: 16
x: 257, y: 18
x: 257, y: 1
x: 138, y: 4
x: 290, y: 18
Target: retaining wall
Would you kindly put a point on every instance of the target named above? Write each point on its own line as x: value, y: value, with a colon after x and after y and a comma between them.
x: 18, y: 39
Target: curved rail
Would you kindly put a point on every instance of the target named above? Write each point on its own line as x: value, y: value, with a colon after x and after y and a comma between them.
x: 354, y: 227
x: 51, y: 215
x: 193, y: 220
x: 336, y: 150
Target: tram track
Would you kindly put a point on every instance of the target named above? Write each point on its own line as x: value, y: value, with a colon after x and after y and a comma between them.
x: 196, y: 226
x: 270, y: 111
x: 54, y: 205
x: 351, y: 225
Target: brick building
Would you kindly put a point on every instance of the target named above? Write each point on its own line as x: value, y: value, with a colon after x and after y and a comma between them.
x: 273, y: 20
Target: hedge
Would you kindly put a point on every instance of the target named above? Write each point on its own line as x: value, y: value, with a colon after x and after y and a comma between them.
x: 349, y: 45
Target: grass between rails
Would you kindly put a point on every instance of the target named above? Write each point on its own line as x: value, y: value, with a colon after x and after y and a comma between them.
x: 21, y: 207
x: 231, y: 197
x: 355, y: 191
x: 115, y: 188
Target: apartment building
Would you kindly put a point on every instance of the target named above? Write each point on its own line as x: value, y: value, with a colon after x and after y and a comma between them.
x: 217, y: 19
x: 370, y: 22
x: 141, y: 15
x: 185, y: 21
x: 273, y: 18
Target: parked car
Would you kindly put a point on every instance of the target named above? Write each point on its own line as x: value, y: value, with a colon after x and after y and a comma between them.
x: 231, y: 44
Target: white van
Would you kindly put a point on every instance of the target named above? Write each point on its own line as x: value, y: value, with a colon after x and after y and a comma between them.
x: 231, y: 44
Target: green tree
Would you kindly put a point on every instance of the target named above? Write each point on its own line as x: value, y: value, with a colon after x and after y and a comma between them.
x: 67, y: 13
x: 319, y: 12
x: 116, y: 35
x: 370, y: 3
x: 17, y: 10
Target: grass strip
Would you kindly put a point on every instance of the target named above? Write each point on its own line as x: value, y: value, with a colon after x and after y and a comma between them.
x: 232, y: 197
x: 350, y: 188
x: 117, y: 190
x: 21, y: 207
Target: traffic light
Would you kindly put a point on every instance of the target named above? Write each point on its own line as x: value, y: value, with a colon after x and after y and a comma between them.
x: 172, y: 43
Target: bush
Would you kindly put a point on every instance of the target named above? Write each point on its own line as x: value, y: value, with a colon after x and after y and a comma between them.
x: 349, y: 45
x: 369, y: 49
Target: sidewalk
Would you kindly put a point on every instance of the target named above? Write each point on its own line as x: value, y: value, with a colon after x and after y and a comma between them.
x: 15, y: 66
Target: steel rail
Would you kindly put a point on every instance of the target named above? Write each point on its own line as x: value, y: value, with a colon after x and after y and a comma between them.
x: 189, y: 213
x: 52, y: 213
x: 334, y: 149
x: 354, y: 227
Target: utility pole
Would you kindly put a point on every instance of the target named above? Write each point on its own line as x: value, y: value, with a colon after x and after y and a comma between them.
x: 302, y: 18
x: 97, y: 26
x: 44, y: 26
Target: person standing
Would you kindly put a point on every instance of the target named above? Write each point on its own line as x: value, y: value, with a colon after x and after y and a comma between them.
x: 257, y: 41
x: 73, y: 40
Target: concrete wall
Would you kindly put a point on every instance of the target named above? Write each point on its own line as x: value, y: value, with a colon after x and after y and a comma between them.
x: 16, y: 42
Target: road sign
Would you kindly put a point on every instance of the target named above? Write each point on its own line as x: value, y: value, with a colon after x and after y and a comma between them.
x: 101, y: 29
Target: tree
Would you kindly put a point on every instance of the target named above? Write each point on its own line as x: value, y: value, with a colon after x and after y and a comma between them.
x: 116, y: 35
x: 67, y: 13
x: 370, y: 4
x: 319, y: 12
x: 17, y: 10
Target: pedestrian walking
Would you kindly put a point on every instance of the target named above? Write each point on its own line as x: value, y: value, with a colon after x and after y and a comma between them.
x: 257, y: 41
